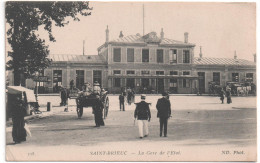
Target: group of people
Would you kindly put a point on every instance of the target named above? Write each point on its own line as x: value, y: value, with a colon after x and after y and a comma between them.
x: 226, y: 93
x: 143, y: 115
x: 126, y: 95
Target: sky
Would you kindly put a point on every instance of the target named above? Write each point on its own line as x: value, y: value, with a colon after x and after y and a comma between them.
x: 220, y: 28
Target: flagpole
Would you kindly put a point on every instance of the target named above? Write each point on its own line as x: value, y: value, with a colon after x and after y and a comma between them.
x: 143, y: 19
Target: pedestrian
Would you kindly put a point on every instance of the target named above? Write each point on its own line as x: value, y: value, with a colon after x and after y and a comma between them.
x: 164, y: 112
x: 143, y: 115
x: 222, y: 95
x: 96, y: 88
x: 122, y: 102
x: 129, y: 96
x: 228, y: 94
x: 98, y: 112
x: 18, y: 113
x: 71, y: 84
x: 64, y: 96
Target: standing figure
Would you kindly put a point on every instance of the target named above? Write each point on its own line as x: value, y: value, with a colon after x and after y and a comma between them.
x: 96, y: 88
x: 129, y: 96
x: 228, y: 94
x: 122, y: 102
x: 64, y: 96
x: 164, y: 112
x: 71, y: 84
x: 18, y: 113
x: 98, y: 112
x: 222, y: 95
x: 143, y: 115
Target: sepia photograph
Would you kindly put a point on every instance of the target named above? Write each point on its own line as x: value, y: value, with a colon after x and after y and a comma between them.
x: 130, y: 81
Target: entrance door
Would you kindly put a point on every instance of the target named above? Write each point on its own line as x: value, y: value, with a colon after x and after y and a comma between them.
x: 130, y: 82
x: 79, y: 79
x: 201, y: 82
x: 160, y: 85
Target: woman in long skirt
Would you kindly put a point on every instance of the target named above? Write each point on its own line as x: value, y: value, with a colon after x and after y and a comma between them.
x: 228, y: 96
x: 18, y: 113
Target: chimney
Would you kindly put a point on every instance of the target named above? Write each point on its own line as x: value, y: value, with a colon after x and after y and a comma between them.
x: 235, y: 55
x: 254, y: 57
x: 107, y: 34
x: 162, y: 34
x: 200, y: 51
x: 186, y: 37
x: 121, y: 34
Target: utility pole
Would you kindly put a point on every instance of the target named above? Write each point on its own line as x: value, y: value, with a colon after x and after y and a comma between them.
x: 143, y: 19
x: 83, y: 47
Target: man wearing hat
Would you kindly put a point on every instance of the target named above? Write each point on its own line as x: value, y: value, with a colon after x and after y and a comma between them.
x: 164, y: 112
x: 143, y: 115
x: 96, y: 88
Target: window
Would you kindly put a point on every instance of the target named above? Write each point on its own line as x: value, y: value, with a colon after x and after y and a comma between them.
x: 130, y: 72
x: 130, y: 55
x: 249, y: 77
x: 145, y: 55
x: 235, y: 77
x: 117, y: 72
x: 186, y: 56
x: 159, y: 55
x: 117, y: 82
x: 79, y: 79
x: 117, y: 55
x: 159, y: 72
x: 186, y: 83
x: 173, y: 56
x: 216, y: 77
x: 173, y: 72
x: 145, y: 72
x: 186, y: 73
x: 97, y: 76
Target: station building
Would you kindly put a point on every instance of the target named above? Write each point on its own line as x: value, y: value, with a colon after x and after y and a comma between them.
x: 148, y: 63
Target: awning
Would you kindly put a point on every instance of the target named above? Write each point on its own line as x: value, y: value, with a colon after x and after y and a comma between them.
x: 19, y: 89
x: 153, y: 76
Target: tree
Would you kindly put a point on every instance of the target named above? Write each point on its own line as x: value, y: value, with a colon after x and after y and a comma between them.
x: 30, y: 53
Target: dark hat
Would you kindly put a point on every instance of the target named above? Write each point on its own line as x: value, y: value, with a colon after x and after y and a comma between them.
x: 165, y: 94
x: 143, y: 96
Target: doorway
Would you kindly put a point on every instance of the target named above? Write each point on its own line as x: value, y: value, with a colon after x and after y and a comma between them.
x: 201, y: 76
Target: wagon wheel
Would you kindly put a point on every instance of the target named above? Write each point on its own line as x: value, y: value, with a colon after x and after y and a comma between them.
x: 79, y: 111
x: 106, y: 107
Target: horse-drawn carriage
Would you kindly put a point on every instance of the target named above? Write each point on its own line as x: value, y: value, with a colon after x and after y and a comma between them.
x: 239, y: 89
x: 214, y: 88
x: 91, y: 100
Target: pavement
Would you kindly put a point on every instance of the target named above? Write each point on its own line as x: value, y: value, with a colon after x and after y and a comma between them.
x: 201, y: 129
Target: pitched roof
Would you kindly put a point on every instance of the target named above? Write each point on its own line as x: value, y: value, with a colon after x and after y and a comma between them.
x: 77, y: 58
x: 142, y: 39
x: 223, y: 61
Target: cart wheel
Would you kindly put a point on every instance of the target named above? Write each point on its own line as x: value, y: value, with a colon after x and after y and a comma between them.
x: 79, y: 111
x: 106, y: 107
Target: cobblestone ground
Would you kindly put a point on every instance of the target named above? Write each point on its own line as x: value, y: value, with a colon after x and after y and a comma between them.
x: 200, y: 129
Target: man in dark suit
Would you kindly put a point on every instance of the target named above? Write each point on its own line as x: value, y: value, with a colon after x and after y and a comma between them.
x: 164, y: 112
x: 122, y: 102
x: 143, y: 115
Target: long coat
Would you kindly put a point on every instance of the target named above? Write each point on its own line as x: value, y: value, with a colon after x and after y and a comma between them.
x: 164, y: 108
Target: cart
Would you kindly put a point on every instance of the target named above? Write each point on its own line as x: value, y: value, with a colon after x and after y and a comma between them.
x: 86, y: 99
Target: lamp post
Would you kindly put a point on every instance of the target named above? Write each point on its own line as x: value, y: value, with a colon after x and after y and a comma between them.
x: 36, y: 91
